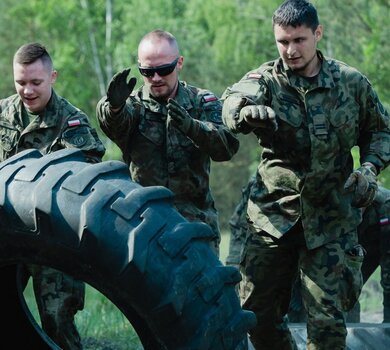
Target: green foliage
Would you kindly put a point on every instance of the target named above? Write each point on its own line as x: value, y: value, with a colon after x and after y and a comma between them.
x: 221, y: 41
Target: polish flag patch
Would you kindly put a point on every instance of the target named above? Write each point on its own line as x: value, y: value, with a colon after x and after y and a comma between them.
x: 74, y: 122
x: 254, y: 76
x: 384, y: 221
x: 210, y: 98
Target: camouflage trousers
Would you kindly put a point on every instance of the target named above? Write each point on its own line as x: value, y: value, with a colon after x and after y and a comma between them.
x: 58, y: 297
x: 331, y: 283
x: 377, y: 244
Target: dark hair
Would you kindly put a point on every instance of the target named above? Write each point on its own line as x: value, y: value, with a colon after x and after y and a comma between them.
x: 296, y: 13
x: 31, y: 52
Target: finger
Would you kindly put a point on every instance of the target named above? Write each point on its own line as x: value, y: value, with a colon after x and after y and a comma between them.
x: 125, y: 72
x: 361, y: 185
x: 263, y: 114
x: 247, y: 112
x: 350, y: 183
x: 132, y: 83
x: 255, y: 113
x: 272, y: 118
x: 175, y: 108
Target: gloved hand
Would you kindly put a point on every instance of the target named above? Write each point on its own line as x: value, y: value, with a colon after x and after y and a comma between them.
x: 119, y: 89
x: 260, y: 116
x: 364, y: 185
x: 179, y: 116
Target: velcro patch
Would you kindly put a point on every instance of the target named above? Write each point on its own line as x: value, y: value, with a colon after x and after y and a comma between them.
x: 210, y: 98
x: 254, y: 76
x: 384, y: 221
x: 74, y: 122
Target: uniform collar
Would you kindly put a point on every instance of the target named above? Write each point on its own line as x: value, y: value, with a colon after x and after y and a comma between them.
x: 325, y: 78
x: 182, y: 96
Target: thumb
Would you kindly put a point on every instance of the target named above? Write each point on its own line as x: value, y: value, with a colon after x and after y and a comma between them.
x: 362, y: 184
x: 132, y: 83
x: 350, y: 183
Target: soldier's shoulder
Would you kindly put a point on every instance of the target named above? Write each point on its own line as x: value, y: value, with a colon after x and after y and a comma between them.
x: 346, y: 72
x: 68, y: 109
x: 202, y: 96
x: 9, y: 104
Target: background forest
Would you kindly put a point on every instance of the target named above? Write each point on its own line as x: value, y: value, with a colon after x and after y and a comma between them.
x: 220, y: 40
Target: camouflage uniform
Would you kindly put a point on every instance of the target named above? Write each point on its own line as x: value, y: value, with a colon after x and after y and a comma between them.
x: 239, y: 226
x: 159, y: 154
x: 238, y: 230
x: 61, y: 125
x: 301, y: 220
x: 374, y: 236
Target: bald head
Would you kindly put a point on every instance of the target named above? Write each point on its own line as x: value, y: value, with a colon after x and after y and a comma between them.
x: 157, y: 46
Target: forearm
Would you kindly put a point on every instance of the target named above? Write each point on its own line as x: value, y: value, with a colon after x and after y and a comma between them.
x: 215, y: 140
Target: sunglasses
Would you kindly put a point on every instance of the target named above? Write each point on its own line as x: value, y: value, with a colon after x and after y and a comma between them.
x: 162, y: 71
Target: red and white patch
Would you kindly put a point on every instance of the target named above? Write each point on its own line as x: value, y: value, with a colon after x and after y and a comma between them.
x: 384, y: 221
x: 74, y: 122
x: 254, y: 76
x: 210, y: 98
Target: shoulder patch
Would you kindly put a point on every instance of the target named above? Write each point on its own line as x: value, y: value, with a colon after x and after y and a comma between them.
x: 384, y: 221
x: 209, y: 98
x: 254, y: 76
x: 74, y: 122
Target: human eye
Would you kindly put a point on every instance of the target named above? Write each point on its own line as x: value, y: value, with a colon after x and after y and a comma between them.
x: 283, y: 42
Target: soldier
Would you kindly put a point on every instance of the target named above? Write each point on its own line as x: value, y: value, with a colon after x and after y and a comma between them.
x: 374, y: 236
x: 168, y: 131
x: 308, y: 111
x: 36, y: 117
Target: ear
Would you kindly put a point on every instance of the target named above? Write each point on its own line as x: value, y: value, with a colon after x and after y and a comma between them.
x: 53, y: 76
x: 318, y: 33
x: 180, y: 63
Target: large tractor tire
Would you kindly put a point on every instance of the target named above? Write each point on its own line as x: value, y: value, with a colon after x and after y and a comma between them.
x: 127, y: 241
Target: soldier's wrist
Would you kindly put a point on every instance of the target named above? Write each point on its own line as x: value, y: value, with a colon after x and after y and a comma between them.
x: 371, y: 167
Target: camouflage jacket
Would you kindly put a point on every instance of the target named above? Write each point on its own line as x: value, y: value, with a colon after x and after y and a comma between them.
x: 159, y: 154
x: 305, y: 163
x: 61, y: 125
x: 376, y: 217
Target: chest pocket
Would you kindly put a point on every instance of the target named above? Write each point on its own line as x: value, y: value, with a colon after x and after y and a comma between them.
x: 344, y: 122
x: 8, y: 138
x: 288, y: 109
x: 152, y: 127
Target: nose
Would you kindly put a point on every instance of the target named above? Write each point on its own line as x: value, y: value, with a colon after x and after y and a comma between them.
x: 156, y: 76
x: 28, y: 90
x: 291, y: 50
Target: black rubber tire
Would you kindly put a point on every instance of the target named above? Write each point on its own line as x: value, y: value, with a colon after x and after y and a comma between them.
x: 127, y: 241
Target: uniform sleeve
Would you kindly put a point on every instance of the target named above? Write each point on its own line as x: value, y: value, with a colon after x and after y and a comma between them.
x: 374, y: 140
x: 78, y: 133
x: 210, y: 134
x: 250, y: 90
x: 118, y: 126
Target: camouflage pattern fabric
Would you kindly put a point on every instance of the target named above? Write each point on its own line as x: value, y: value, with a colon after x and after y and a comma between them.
x: 59, y: 126
x: 238, y: 226
x: 329, y: 275
x: 159, y: 154
x: 58, y: 297
x: 374, y: 236
x: 300, y: 181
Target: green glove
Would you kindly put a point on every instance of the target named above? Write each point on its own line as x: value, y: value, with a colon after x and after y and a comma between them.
x: 119, y: 89
x: 179, y: 116
x: 364, y: 185
x: 259, y: 116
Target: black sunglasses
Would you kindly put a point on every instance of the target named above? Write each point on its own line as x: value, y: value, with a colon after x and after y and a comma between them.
x: 162, y: 71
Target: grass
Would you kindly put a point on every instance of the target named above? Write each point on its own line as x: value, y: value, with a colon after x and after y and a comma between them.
x: 103, y: 327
